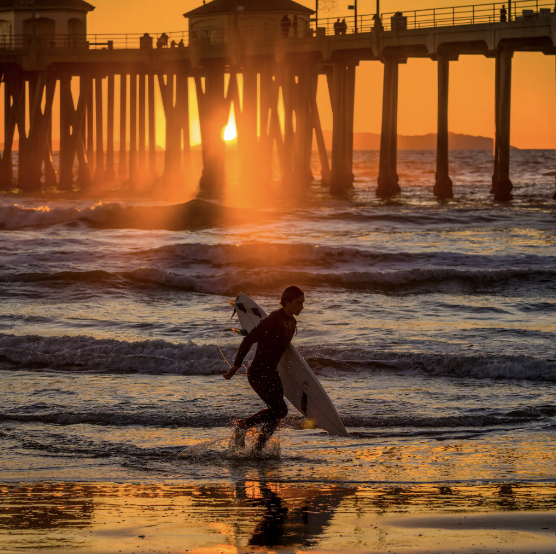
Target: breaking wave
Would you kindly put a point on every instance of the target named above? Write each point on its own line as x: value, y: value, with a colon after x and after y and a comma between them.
x: 229, y: 283
x: 260, y: 280
x: 18, y: 217
x: 91, y: 355
x: 264, y: 254
x: 181, y: 418
x: 83, y: 353
x: 113, y: 215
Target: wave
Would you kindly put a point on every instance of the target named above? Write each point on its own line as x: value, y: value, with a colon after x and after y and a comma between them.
x: 263, y: 254
x: 425, y: 279
x: 19, y: 217
x: 481, y: 367
x: 465, y: 424
x: 94, y: 276
x: 416, y: 217
x: 91, y: 355
x: 189, y: 215
x: 229, y: 283
x: 199, y: 214
x: 83, y: 353
x: 119, y: 419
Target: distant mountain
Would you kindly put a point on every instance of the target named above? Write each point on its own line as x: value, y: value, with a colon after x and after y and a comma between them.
x: 457, y: 141
x: 371, y: 141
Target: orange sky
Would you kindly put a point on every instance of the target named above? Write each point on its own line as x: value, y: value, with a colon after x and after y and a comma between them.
x: 471, y: 78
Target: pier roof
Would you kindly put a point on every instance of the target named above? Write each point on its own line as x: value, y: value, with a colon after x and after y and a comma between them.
x: 230, y: 6
x: 25, y: 6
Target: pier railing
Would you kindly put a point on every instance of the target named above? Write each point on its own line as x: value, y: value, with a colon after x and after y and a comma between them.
x: 497, y: 12
x: 95, y: 41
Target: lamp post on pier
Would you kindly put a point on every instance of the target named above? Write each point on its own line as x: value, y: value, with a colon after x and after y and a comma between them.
x: 354, y: 8
x: 316, y: 14
x: 376, y: 17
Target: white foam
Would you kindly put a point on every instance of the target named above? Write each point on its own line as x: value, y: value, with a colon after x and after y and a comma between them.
x: 489, y: 367
x: 18, y: 217
x: 103, y: 355
x: 454, y: 365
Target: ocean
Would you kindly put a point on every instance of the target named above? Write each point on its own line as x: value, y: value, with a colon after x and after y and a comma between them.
x: 430, y: 323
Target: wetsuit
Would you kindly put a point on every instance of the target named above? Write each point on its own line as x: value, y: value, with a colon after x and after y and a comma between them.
x: 272, y: 336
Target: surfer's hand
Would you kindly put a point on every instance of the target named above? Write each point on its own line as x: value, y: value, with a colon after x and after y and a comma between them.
x: 229, y: 374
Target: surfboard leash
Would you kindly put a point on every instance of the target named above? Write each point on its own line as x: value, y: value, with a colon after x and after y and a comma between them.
x: 221, y: 352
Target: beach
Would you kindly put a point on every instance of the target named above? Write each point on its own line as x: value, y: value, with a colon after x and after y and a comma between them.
x: 260, y: 515
x: 429, y: 323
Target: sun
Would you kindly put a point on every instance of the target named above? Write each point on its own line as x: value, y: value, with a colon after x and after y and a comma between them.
x: 230, y: 132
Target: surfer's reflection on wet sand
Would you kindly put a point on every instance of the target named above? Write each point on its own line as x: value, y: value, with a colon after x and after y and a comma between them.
x: 270, y: 530
x: 294, y: 516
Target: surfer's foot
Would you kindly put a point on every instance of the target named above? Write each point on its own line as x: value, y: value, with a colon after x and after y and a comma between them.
x: 240, y: 430
x: 259, y: 446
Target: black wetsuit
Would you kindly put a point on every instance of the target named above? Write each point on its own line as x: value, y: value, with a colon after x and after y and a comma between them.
x: 272, y: 336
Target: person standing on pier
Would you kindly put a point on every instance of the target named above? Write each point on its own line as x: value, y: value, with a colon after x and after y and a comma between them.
x: 503, y: 14
x: 162, y: 41
x: 286, y: 25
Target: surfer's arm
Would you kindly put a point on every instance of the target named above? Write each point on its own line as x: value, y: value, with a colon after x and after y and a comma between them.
x: 254, y: 336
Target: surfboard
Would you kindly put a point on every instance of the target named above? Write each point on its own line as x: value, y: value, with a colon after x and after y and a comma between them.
x: 301, y: 386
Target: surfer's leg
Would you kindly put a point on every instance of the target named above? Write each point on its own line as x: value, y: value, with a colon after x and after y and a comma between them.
x: 263, y: 384
x: 268, y: 386
x: 241, y: 426
x: 278, y: 411
x: 273, y: 394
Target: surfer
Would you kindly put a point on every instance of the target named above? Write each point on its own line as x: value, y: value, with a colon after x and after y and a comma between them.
x: 272, y: 335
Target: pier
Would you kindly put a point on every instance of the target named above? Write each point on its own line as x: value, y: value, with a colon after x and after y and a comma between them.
x: 266, y: 72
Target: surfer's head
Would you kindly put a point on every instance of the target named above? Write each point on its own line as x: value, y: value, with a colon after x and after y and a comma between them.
x: 292, y: 300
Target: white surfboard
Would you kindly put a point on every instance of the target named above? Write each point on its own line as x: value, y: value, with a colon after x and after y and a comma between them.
x: 301, y: 386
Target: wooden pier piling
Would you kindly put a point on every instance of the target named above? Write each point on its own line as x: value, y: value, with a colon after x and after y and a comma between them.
x: 152, y: 127
x: 90, y: 137
x: 341, y: 87
x: 6, y: 167
x: 122, y: 159
x: 302, y: 174
x: 388, y: 181
x: 133, y: 181
x: 502, y: 187
x: 99, y: 170
x: 142, y: 147
x: 110, y: 173
x: 77, y: 139
x: 65, y: 180
x: 443, y: 184
x: 184, y: 137
x: 213, y: 120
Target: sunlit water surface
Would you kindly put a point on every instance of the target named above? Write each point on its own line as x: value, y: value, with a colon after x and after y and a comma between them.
x: 431, y: 325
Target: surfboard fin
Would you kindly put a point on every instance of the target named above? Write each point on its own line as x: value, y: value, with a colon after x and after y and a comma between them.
x: 241, y: 332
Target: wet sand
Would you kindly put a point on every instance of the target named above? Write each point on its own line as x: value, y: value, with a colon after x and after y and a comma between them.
x: 255, y: 515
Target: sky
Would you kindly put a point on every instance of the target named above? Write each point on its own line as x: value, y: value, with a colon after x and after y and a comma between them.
x: 471, y: 101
